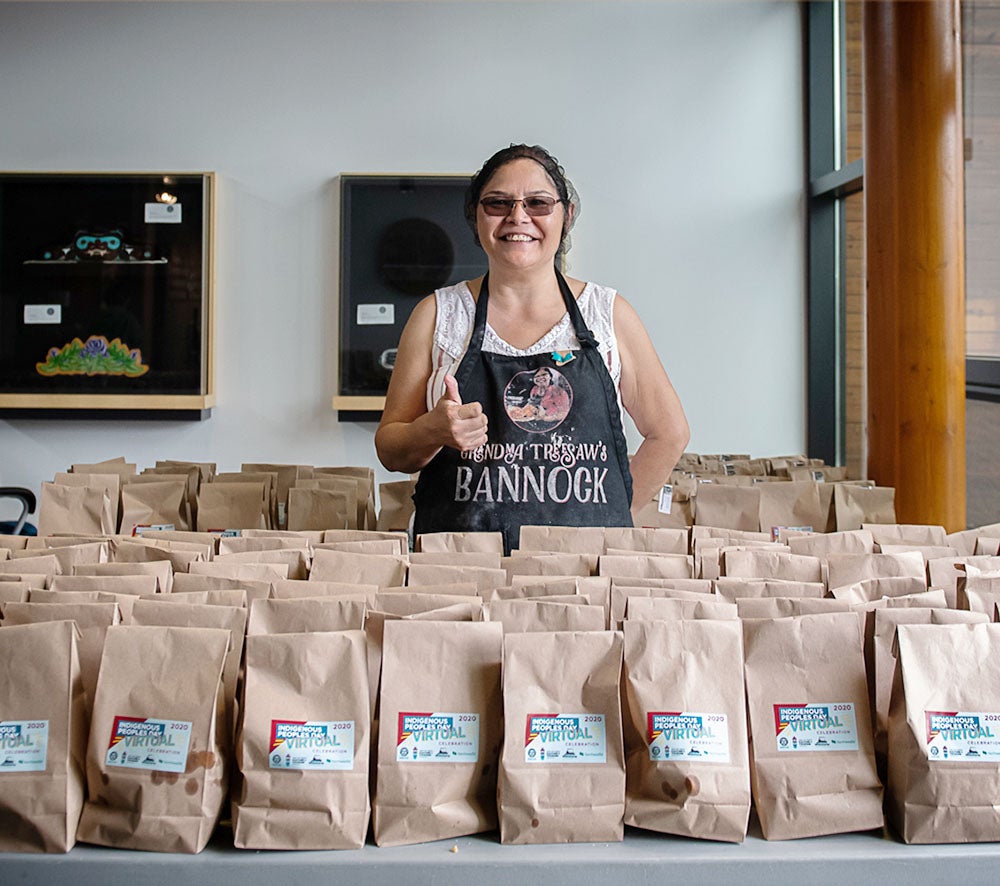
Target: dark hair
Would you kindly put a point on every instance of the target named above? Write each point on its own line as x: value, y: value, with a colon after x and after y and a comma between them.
x: 564, y: 187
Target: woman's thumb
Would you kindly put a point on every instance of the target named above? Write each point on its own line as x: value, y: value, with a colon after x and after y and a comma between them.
x: 451, y: 389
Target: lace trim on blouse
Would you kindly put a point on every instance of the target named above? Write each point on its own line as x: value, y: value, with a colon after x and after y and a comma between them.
x: 456, y: 312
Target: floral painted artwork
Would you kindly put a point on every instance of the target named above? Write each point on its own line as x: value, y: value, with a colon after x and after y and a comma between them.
x: 96, y: 356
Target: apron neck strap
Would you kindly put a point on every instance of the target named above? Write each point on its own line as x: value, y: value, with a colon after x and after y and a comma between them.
x: 583, y: 334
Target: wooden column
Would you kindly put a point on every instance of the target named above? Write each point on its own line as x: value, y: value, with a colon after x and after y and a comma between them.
x: 914, y: 206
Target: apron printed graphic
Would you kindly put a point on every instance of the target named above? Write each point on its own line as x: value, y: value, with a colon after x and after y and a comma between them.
x: 538, y: 401
x: 556, y: 452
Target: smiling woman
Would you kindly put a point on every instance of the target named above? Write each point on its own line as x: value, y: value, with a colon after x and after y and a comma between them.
x: 501, y: 436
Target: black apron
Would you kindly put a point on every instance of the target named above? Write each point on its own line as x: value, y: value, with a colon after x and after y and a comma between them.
x: 556, y: 454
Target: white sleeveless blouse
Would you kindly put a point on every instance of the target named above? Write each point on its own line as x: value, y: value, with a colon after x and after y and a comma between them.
x: 456, y: 314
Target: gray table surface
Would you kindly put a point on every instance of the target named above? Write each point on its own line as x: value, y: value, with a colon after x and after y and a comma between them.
x: 642, y: 858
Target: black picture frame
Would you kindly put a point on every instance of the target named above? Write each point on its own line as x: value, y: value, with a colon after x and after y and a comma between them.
x: 106, y: 301
x: 401, y: 237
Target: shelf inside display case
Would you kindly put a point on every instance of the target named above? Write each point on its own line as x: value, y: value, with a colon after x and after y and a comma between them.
x: 106, y: 301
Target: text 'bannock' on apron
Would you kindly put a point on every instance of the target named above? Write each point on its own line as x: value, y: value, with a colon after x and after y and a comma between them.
x: 556, y: 453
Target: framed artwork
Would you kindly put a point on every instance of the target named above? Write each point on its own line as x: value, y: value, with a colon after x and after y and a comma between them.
x: 401, y: 237
x: 106, y: 294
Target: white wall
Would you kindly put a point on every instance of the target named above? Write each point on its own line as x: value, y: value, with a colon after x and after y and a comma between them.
x: 679, y: 122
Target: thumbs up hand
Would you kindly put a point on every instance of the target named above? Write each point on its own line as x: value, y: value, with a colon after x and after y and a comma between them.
x: 462, y: 425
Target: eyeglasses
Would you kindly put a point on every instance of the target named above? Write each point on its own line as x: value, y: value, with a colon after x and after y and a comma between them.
x: 539, y: 204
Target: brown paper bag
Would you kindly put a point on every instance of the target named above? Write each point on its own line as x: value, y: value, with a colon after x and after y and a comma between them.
x: 687, y: 763
x: 478, y: 542
x: 156, y: 777
x: 680, y: 516
x: 260, y: 572
x: 289, y: 589
x: 84, y: 510
x: 13, y: 542
x: 155, y: 505
x: 108, y: 466
x: 978, y: 592
x: 375, y: 569
x: 304, y: 614
x: 964, y: 541
x: 43, y: 735
x: 646, y: 565
x: 881, y: 657
x: 396, y: 511
x: 370, y: 546
x: 320, y: 509
x: 333, y: 536
x: 755, y: 563
x: 28, y: 562
x: 193, y: 615
x: 735, y: 588
x: 792, y: 504
x: 405, y: 604
x: 813, y: 759
x: 945, y: 572
x: 457, y: 558
x: 857, y: 505
x: 364, y: 490
x: 625, y: 588
x: 846, y: 569
x: 549, y: 563
x: 563, y: 539
x: 364, y: 478
x: 534, y: 615
x: 562, y: 771
x: 217, y: 597
x: 650, y: 540
x: 180, y: 540
x: 242, y: 544
x: 785, y: 607
x: 674, y: 609
x: 944, y: 762
x: 440, y: 735
x: 13, y: 592
x: 69, y: 556
x: 869, y: 589
x: 134, y: 585
x: 226, y: 505
x: 92, y: 621
x: 161, y: 569
x: 139, y: 552
x: 728, y: 507
x: 349, y: 510
x: 297, y: 560
x: 185, y: 584
x: 484, y: 578
x: 907, y: 534
x: 303, y: 744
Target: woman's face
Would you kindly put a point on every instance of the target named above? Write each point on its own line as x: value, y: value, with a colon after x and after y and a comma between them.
x: 542, y: 378
x: 518, y: 240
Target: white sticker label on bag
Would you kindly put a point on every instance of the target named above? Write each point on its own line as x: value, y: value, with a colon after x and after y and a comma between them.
x: 687, y: 736
x: 437, y: 738
x: 820, y: 726
x: 312, y: 744
x: 666, y: 498
x: 23, y: 745
x: 147, y: 743
x: 963, y: 736
x: 565, y: 738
